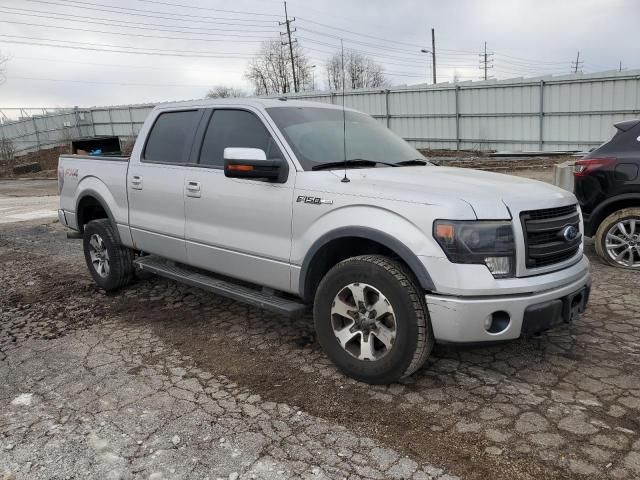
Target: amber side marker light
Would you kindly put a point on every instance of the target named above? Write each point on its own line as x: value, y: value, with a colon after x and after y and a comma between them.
x: 241, y: 168
x: 444, y: 231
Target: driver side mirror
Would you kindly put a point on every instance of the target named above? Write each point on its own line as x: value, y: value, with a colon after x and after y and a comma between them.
x: 253, y: 163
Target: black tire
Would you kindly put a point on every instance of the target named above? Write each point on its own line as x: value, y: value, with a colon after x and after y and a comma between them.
x: 606, y: 225
x: 120, y: 258
x: 414, y: 337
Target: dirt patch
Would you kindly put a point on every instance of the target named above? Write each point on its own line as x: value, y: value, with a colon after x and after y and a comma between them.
x: 47, y: 159
x: 502, y: 165
x: 272, y: 376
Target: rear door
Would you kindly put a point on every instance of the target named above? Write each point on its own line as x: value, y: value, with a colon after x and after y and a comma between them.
x: 238, y: 227
x: 155, y: 185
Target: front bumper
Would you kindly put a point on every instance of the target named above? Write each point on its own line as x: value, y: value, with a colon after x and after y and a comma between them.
x: 465, y: 319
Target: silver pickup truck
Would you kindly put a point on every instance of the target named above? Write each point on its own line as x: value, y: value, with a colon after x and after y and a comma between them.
x: 253, y: 199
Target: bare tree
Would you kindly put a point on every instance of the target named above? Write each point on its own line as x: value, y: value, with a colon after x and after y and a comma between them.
x: 7, y: 154
x: 270, y: 70
x: 360, y: 71
x: 225, y: 91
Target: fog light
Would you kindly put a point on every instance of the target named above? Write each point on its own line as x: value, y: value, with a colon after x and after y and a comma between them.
x: 500, y: 267
x: 497, y: 322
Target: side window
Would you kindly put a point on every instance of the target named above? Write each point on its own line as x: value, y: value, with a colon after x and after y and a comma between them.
x: 235, y: 128
x: 169, y: 136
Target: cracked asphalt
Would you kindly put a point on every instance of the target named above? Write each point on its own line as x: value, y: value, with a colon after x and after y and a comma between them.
x: 161, y: 380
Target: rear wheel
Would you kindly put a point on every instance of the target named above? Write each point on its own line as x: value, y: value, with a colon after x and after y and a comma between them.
x: 109, y: 262
x: 617, y: 240
x: 371, y: 319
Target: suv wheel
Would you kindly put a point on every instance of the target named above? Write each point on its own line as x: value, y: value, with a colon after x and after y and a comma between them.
x: 371, y: 319
x: 109, y: 262
x: 617, y: 240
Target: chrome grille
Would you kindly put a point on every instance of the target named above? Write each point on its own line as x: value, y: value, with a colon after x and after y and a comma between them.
x: 544, y: 235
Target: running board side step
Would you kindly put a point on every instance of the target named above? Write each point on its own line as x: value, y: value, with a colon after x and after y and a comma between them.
x: 261, y: 299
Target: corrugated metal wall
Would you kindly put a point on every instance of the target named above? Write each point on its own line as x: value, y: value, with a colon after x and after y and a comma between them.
x: 576, y: 112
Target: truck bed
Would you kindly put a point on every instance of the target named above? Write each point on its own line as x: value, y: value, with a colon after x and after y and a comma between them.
x: 102, y: 177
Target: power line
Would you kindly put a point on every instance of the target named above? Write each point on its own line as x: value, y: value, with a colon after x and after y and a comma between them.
x: 141, y: 35
x: 386, y: 40
x: 108, y: 83
x: 144, y: 13
x: 382, y: 58
x: 117, y: 65
x: 358, y: 34
x: 182, y: 5
x: 382, y: 47
x: 118, y: 22
x: 528, y: 60
x: 525, y: 66
x: 117, y: 48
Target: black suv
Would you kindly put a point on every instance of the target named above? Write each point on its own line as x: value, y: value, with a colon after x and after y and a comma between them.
x: 607, y: 184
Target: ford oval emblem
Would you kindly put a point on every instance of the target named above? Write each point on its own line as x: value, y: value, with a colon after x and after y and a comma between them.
x: 569, y: 233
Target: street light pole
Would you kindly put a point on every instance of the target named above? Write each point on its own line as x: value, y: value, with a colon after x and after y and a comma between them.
x: 424, y: 50
x: 433, y: 53
x: 313, y: 78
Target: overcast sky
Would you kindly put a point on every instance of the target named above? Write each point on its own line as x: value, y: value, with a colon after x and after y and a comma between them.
x: 211, y: 47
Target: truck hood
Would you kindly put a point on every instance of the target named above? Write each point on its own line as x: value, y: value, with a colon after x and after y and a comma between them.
x: 491, y: 195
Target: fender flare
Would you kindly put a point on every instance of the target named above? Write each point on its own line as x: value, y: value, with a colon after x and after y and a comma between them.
x: 94, y: 194
x: 392, y: 243
x: 598, y: 215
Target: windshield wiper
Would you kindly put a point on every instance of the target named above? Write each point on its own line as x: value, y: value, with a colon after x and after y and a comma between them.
x: 356, y: 162
x: 415, y: 161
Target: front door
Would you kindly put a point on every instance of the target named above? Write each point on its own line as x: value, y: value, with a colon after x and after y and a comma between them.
x: 238, y: 227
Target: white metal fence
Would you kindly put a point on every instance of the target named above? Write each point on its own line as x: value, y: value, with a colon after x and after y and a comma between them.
x: 575, y: 112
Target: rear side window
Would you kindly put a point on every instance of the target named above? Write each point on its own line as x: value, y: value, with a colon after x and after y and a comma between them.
x: 169, y: 136
x: 235, y: 128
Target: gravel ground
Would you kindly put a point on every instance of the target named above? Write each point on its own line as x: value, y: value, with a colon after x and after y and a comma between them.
x: 162, y: 380
x: 28, y: 200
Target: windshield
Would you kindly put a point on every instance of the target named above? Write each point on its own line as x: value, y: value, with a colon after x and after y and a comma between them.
x: 316, y: 137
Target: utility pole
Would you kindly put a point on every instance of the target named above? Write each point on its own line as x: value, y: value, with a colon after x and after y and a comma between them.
x: 620, y: 68
x: 287, y: 22
x: 433, y: 53
x: 485, y: 61
x: 577, y: 64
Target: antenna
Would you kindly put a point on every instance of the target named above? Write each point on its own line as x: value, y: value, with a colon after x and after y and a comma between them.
x: 345, y: 179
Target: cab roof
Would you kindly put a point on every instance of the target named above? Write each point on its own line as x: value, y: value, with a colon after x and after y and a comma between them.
x: 252, y: 102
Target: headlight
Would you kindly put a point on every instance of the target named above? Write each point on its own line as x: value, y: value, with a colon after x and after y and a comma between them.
x: 487, y: 243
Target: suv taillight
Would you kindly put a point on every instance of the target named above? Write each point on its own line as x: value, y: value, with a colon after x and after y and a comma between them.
x: 585, y: 167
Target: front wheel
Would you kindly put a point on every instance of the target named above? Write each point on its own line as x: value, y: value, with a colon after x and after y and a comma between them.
x: 617, y: 240
x: 110, y: 263
x: 371, y: 319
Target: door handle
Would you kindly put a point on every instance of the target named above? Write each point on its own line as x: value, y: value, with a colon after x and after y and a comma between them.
x: 136, y: 182
x: 193, y: 189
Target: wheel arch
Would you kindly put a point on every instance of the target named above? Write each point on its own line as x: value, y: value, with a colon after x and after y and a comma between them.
x: 345, y: 242
x: 610, y: 206
x: 92, y: 206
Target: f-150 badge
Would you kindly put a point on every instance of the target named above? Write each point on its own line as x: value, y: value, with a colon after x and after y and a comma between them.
x: 313, y: 200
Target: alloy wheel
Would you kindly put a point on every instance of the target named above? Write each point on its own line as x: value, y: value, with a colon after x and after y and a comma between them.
x: 363, y: 321
x: 99, y: 255
x: 622, y: 243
